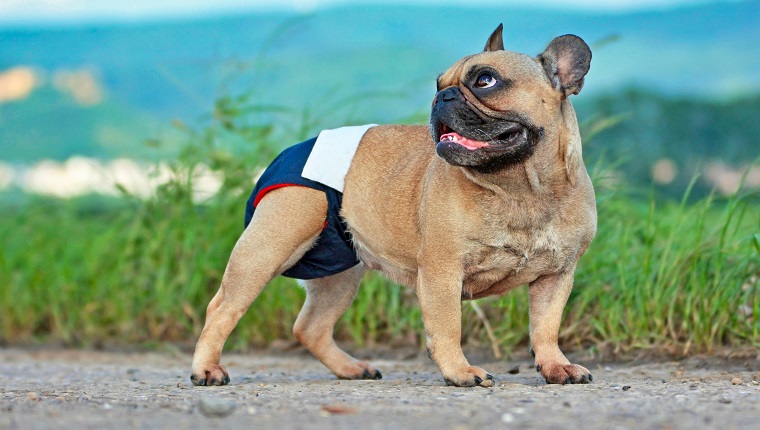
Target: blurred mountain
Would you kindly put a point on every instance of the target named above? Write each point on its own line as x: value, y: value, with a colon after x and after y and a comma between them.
x: 101, y: 88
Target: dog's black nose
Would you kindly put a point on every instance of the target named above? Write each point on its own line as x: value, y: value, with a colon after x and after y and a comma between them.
x: 447, y: 95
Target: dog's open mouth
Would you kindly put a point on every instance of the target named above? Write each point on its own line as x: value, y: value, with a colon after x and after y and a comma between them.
x: 506, y: 138
x: 467, y: 143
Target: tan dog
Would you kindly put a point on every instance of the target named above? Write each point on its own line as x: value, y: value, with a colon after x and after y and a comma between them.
x: 498, y: 198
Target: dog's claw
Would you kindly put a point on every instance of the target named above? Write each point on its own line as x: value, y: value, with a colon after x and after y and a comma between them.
x: 590, y: 377
x: 219, y: 382
x: 366, y: 374
x: 216, y: 375
x: 471, y: 378
x: 564, y: 374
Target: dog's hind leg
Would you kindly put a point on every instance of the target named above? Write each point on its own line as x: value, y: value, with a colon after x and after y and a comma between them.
x: 285, y: 225
x: 326, y: 300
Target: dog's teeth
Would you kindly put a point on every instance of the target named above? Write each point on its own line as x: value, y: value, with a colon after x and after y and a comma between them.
x: 451, y: 137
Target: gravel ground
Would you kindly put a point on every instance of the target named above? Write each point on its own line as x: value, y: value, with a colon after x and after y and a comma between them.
x: 92, y: 389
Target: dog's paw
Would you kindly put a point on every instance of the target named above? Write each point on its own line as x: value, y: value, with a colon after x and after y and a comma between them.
x: 564, y: 373
x: 358, y: 370
x: 469, y: 376
x: 214, y: 374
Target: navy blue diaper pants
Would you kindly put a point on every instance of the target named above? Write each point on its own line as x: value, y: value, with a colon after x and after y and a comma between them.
x: 333, y: 252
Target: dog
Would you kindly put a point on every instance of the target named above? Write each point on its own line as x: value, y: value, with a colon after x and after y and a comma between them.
x: 491, y: 196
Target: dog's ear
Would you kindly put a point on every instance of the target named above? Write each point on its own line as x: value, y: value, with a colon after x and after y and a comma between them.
x: 496, y: 41
x: 566, y: 61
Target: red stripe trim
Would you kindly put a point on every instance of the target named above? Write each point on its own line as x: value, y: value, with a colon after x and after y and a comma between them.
x: 265, y: 190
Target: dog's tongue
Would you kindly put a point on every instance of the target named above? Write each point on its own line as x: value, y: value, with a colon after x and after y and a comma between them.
x: 467, y: 143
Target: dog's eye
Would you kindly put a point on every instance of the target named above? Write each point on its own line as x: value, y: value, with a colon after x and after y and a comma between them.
x: 485, y: 81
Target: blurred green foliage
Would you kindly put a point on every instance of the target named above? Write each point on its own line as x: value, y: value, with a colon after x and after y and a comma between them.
x: 639, y: 127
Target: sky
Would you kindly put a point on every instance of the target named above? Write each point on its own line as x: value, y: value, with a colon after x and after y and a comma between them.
x: 136, y: 10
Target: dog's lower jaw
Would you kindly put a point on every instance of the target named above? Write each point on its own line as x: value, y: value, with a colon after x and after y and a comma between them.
x: 485, y: 160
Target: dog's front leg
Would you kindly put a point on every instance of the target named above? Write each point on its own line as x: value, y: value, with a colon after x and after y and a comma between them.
x: 440, y: 296
x: 548, y: 296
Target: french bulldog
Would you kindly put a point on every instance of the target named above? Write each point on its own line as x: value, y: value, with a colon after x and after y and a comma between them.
x: 492, y: 195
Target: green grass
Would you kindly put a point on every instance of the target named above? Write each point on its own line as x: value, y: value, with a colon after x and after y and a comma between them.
x: 659, y: 275
x: 675, y: 277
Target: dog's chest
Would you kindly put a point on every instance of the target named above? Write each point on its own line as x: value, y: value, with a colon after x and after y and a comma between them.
x: 510, y: 258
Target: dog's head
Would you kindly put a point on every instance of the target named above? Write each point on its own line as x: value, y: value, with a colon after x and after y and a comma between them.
x: 493, y: 109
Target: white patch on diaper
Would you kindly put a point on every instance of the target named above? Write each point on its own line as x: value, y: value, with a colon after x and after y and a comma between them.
x: 331, y: 156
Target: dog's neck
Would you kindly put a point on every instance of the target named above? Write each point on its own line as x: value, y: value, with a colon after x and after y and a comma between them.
x: 554, y: 165
x: 541, y: 175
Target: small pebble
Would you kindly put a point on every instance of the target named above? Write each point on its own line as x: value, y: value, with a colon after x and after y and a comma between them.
x: 507, y: 418
x: 755, y: 383
x: 514, y: 371
x: 33, y: 397
x: 216, y: 407
x: 626, y: 387
x: 737, y: 381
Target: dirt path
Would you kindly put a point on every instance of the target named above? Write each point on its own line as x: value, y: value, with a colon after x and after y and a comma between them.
x: 85, y: 389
